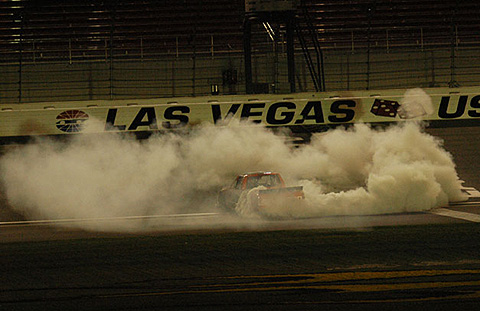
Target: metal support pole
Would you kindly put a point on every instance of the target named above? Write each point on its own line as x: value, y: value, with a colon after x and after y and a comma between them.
x: 194, y: 66
x: 453, y: 77
x: 353, y: 44
x: 34, y: 58
x: 421, y: 38
x: 111, y: 50
x: 176, y: 47
x: 388, y: 51
x: 106, y: 50
x: 212, y: 46
x: 20, y: 65
x: 247, y: 49
x: 70, y: 51
x: 291, y: 53
x: 20, y: 59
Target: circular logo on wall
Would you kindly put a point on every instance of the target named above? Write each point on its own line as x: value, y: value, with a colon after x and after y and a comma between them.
x: 71, y: 121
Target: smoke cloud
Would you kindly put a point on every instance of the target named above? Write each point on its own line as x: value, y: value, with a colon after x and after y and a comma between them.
x: 362, y: 171
x: 355, y: 171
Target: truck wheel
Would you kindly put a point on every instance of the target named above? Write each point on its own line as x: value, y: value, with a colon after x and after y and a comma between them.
x: 221, y: 204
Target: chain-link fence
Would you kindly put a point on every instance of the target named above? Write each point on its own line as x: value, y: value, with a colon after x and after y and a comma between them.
x: 222, y: 73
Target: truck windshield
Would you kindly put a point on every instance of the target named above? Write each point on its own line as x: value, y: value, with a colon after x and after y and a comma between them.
x: 263, y: 180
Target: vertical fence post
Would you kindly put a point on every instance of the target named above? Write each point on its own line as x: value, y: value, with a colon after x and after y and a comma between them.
x: 456, y: 36
x: 211, y: 45
x: 176, y: 47
x: 20, y: 65
x: 194, y: 61
x: 433, y: 75
x: 368, y: 59
x: 70, y: 51
x: 291, y: 53
x: 194, y: 69
x: 421, y: 38
x: 106, y: 50
x: 111, y: 66
x: 353, y: 44
x: 348, y: 72
x: 173, y: 77
x: 282, y: 42
x: 388, y: 51
x: 453, y: 45
x: 20, y: 60
x: 113, y: 14
x: 33, y: 52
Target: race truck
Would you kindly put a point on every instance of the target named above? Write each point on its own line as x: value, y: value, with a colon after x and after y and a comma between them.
x: 269, y: 188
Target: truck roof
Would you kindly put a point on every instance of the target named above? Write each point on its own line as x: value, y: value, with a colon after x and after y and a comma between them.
x: 259, y: 173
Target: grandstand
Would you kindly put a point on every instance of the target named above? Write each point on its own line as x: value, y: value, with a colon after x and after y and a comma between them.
x: 71, y: 50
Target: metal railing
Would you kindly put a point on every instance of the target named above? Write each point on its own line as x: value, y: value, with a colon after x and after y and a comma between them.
x: 65, y: 70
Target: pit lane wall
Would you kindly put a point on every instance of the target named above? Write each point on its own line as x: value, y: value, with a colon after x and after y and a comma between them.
x: 458, y: 106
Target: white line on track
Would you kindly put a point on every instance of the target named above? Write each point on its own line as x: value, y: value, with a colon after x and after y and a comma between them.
x: 73, y: 220
x: 456, y: 214
x: 463, y: 204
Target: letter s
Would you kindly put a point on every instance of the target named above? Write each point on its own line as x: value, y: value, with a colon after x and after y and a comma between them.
x: 475, y: 103
x: 169, y: 115
x: 336, y: 108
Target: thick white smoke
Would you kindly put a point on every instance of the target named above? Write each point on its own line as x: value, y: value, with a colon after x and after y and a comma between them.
x: 415, y: 103
x: 344, y: 172
x: 364, y: 171
x: 110, y: 175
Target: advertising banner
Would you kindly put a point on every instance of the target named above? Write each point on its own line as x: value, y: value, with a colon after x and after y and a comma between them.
x: 302, y: 109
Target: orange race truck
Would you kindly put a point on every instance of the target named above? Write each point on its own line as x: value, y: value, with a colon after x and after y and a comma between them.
x: 271, y: 187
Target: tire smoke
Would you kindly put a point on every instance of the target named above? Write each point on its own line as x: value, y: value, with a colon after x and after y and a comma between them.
x: 355, y: 171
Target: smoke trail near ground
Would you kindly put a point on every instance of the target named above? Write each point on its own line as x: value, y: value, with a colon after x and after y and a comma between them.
x: 363, y: 171
x: 344, y: 172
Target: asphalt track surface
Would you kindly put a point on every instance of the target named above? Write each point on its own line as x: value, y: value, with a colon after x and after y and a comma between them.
x: 416, y: 261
